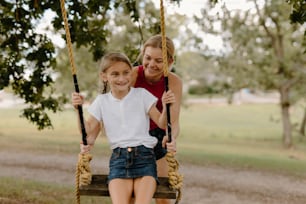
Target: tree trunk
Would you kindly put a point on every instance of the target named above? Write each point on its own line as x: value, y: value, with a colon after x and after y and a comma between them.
x: 303, y: 124
x: 285, y: 106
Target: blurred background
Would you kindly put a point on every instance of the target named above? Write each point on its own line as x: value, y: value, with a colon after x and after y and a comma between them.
x: 243, y: 67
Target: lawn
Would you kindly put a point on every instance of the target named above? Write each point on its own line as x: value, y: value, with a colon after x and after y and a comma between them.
x: 243, y: 136
x: 237, y: 136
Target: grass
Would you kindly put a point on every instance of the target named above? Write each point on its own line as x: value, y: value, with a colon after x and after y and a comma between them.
x: 31, y: 192
x: 243, y: 136
x: 239, y: 136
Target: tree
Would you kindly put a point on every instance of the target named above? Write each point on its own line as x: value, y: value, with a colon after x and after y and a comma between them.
x: 298, y: 13
x: 27, y: 60
x: 262, y: 43
x: 127, y: 36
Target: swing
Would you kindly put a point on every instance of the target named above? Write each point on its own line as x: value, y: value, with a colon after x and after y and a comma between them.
x: 96, y: 185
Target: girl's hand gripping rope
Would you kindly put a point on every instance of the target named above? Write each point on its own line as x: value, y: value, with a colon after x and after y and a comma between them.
x: 77, y: 99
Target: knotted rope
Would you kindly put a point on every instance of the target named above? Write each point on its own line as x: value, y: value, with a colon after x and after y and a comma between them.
x: 83, y: 173
x: 83, y: 169
x: 175, y: 179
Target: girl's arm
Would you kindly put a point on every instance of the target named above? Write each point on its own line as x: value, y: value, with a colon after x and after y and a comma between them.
x: 92, y: 125
x: 161, y: 118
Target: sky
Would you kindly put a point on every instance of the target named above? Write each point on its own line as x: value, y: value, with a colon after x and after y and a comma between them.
x: 186, y: 7
x: 193, y: 7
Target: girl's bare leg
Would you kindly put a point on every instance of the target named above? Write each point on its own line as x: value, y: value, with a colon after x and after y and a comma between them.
x: 121, y: 190
x: 144, y: 189
x: 162, y: 171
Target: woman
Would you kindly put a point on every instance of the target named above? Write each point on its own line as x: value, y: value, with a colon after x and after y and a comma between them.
x: 150, y: 75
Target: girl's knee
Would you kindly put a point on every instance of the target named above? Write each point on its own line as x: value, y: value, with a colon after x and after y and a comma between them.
x: 162, y: 201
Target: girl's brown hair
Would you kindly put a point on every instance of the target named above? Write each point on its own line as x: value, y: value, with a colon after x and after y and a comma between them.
x: 107, y: 61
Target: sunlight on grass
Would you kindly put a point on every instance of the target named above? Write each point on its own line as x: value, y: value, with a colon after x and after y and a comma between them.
x: 236, y: 130
x: 244, y: 136
x: 238, y: 135
x: 26, y: 191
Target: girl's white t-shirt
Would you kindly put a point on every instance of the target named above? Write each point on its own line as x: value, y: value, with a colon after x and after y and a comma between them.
x: 126, y: 121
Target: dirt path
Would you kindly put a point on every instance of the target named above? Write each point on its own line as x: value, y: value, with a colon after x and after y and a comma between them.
x: 202, y: 185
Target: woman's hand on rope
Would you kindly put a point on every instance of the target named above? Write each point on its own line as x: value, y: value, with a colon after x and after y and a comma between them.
x: 77, y: 99
x: 168, y: 97
x: 171, y: 146
x: 85, y: 148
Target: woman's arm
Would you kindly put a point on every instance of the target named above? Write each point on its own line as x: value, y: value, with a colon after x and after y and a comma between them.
x: 176, y: 86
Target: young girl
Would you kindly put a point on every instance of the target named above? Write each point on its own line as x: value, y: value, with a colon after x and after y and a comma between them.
x: 125, y: 113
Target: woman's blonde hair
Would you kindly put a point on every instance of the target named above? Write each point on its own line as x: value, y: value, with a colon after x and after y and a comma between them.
x: 107, y: 61
x: 156, y: 42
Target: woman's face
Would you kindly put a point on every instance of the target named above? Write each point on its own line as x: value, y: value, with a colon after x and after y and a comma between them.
x: 153, y: 63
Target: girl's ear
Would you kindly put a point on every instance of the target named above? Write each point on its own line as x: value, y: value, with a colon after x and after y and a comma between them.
x: 103, y: 76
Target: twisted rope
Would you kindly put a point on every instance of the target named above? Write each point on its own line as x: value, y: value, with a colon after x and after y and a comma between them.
x: 163, y: 34
x: 175, y: 179
x: 83, y: 173
x: 84, y: 169
x: 68, y: 38
x: 77, y: 184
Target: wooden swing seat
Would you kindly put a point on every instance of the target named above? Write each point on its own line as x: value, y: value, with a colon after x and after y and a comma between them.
x: 98, y: 187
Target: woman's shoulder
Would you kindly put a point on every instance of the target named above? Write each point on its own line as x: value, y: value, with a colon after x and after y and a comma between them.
x: 134, y: 75
x: 174, y: 79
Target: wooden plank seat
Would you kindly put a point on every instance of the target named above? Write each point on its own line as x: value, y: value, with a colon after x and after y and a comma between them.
x: 98, y: 187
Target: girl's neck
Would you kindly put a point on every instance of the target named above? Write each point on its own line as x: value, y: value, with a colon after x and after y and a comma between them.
x: 120, y: 94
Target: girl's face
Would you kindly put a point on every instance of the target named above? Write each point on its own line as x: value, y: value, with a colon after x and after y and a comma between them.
x: 119, y: 77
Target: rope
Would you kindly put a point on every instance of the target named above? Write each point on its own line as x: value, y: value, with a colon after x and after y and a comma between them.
x: 77, y: 184
x: 83, y: 169
x: 163, y: 34
x: 68, y: 38
x: 83, y: 173
x: 175, y: 179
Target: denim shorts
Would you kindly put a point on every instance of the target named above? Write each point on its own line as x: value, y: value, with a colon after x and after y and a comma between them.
x: 132, y: 162
x: 159, y: 151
